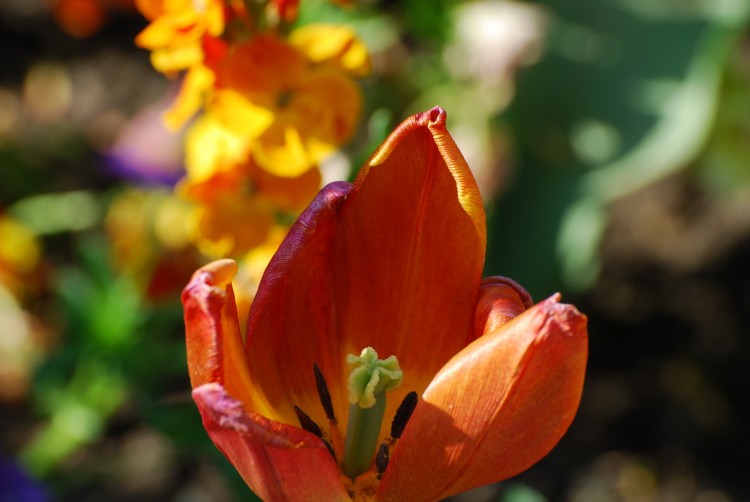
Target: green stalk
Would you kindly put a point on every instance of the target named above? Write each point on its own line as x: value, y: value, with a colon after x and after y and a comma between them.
x: 369, y: 379
x: 362, y: 432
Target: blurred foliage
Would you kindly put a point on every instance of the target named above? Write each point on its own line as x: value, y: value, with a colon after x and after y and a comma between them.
x: 611, y: 144
x: 637, y: 88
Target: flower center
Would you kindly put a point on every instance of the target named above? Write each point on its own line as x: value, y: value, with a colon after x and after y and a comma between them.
x: 369, y: 380
x: 284, y: 98
x: 359, y: 454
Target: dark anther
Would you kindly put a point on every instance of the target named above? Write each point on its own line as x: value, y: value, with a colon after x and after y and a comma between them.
x: 403, y: 413
x: 381, y: 459
x: 307, y: 423
x: 323, y: 394
x: 330, y: 449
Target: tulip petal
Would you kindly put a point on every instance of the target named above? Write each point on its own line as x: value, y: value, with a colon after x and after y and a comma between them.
x: 495, y: 409
x: 410, y: 251
x: 292, y: 324
x: 393, y: 262
x: 500, y: 300
x: 277, y: 461
x: 215, y: 351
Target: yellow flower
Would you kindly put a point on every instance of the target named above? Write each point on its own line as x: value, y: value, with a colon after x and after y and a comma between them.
x: 212, y: 148
x: 250, y: 270
x: 295, y: 102
x: 20, y: 253
x: 217, y: 160
x: 235, y: 201
x: 230, y: 224
x: 335, y: 45
x: 195, y: 88
x: 176, y: 30
x: 150, y: 240
x: 235, y: 211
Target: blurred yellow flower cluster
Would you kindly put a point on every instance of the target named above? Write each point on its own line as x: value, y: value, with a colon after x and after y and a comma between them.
x: 265, y: 104
x: 23, y: 338
x: 19, y: 254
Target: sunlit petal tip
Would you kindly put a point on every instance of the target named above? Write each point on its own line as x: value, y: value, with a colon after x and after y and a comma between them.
x: 277, y: 461
x: 500, y: 300
x: 433, y: 122
x: 434, y: 117
x: 217, y: 273
x: 466, y: 185
x: 207, y: 287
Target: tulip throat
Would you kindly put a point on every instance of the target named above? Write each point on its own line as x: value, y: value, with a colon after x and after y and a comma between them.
x: 369, y: 380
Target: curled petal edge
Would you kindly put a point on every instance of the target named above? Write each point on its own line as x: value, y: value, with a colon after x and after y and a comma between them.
x: 208, y: 302
x: 277, y: 461
x: 500, y: 300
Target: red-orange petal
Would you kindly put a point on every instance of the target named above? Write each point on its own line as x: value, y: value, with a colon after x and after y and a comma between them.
x: 410, y: 250
x: 495, y: 409
x: 277, y: 461
x: 393, y: 263
x: 292, y: 322
x: 215, y: 349
x: 500, y: 300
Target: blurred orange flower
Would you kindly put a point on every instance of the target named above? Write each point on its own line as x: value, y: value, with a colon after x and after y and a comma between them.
x: 235, y: 201
x: 83, y: 18
x: 295, y: 102
x: 177, y: 27
x: 274, y: 107
x: 333, y: 45
x: 287, y: 10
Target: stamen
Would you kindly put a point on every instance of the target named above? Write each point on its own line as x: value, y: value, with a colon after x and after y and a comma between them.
x: 307, y: 423
x: 403, y: 414
x: 381, y: 459
x: 323, y: 394
x: 335, y: 438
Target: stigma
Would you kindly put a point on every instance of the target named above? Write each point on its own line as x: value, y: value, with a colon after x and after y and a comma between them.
x: 369, y: 379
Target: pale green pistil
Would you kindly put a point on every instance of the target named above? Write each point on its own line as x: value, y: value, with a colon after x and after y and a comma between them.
x: 369, y: 380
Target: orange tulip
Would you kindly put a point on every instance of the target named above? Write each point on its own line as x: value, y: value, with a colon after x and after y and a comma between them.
x: 392, y: 262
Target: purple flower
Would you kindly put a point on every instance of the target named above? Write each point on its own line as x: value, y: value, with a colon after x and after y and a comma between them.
x: 17, y: 486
